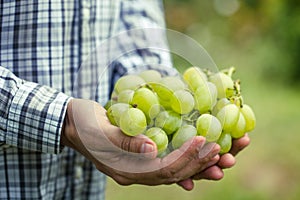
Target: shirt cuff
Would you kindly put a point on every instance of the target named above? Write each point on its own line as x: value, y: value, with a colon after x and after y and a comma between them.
x: 36, y: 117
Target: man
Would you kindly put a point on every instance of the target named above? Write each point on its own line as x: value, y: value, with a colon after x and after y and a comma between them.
x: 53, y: 145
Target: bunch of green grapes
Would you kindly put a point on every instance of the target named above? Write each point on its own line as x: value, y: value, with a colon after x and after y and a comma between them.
x: 172, y: 109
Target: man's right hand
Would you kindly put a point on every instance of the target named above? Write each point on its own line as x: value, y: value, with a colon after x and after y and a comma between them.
x: 131, y: 160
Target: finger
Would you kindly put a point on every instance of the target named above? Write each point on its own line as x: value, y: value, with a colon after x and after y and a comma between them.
x: 212, y: 173
x: 207, y: 149
x: 187, y: 152
x: 226, y: 161
x: 180, y: 158
x: 239, y: 144
x: 201, y: 162
x: 187, y: 184
x: 213, y: 161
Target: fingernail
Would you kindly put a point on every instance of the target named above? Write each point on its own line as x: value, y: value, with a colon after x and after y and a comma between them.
x: 147, y: 148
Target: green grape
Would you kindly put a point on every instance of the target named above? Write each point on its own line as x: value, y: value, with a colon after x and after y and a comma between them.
x: 144, y: 99
x: 205, y: 98
x: 182, y: 101
x: 154, y: 110
x: 166, y: 104
x: 114, y: 112
x: 194, y: 77
x: 164, y: 153
x: 163, y: 92
x: 125, y: 96
x: 183, y: 134
x: 130, y: 82
x: 225, y: 142
x: 219, y: 105
x: 224, y: 84
x: 169, y: 121
x: 165, y: 89
x: 173, y: 83
x: 114, y: 96
x: 150, y: 76
x: 240, y: 127
x: 214, y: 94
x: 159, y: 137
x: 209, y: 127
x: 249, y: 117
x: 228, y: 116
x: 133, y: 122
x: 109, y: 103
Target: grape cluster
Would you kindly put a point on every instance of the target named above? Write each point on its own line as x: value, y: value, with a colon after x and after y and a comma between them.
x: 170, y: 109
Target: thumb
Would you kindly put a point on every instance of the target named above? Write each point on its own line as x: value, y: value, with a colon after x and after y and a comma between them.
x: 140, y: 144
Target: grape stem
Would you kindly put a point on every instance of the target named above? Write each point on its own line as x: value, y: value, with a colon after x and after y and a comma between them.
x: 237, y: 87
x: 192, y: 117
x: 229, y: 72
x: 207, y: 72
x: 237, y: 99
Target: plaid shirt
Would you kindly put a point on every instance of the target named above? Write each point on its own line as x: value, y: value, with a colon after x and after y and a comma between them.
x: 51, y: 51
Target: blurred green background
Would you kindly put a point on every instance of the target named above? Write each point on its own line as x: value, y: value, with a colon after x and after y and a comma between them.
x: 261, y: 38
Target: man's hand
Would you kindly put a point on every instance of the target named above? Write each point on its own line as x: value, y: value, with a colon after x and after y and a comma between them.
x: 130, y: 160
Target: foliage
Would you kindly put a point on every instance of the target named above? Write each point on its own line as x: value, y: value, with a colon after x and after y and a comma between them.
x: 269, y: 29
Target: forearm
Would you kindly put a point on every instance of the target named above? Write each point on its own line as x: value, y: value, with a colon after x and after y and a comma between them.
x: 32, y: 114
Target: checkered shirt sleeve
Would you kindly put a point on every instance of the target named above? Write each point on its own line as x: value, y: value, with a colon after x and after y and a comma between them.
x: 31, y: 114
